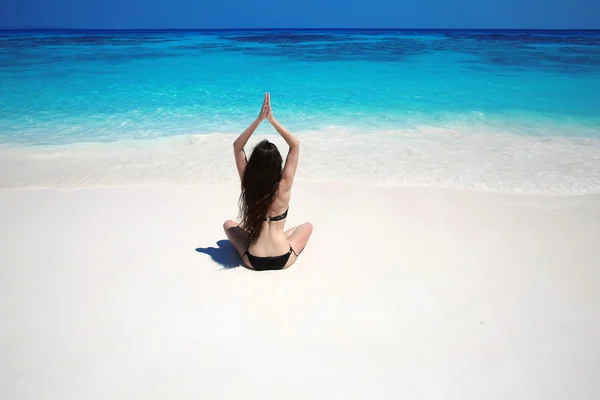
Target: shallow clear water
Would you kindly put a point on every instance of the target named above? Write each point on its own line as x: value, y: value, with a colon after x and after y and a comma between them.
x: 447, y: 91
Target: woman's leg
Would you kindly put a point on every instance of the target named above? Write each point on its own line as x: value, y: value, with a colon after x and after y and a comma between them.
x: 236, y: 235
x: 298, y: 237
x: 289, y: 232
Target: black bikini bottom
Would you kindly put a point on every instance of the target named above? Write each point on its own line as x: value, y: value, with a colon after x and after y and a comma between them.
x: 269, y: 263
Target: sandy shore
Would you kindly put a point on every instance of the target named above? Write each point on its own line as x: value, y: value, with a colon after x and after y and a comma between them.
x: 416, y: 293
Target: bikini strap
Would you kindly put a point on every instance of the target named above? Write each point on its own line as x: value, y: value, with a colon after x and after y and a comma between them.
x: 293, y: 251
x: 278, y: 217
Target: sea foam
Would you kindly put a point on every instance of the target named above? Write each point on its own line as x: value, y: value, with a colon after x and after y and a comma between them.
x: 429, y: 156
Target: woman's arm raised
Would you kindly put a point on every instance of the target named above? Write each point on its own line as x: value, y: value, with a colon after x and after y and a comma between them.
x: 240, y: 142
x: 291, y: 161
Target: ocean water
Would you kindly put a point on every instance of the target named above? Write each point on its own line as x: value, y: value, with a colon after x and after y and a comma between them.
x: 513, y: 111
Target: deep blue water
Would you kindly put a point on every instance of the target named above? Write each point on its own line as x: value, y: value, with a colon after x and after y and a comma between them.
x: 70, y: 86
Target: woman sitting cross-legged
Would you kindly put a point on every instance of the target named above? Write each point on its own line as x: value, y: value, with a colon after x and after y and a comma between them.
x: 260, y: 237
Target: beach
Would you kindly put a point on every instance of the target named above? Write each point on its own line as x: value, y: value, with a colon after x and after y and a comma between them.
x: 402, y: 292
x: 452, y: 178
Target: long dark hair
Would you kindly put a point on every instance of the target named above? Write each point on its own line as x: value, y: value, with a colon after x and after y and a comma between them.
x: 259, y: 187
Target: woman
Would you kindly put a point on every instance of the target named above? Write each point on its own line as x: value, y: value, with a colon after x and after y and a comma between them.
x: 260, y: 238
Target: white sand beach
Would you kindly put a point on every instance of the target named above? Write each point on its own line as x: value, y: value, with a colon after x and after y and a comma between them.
x: 413, y: 293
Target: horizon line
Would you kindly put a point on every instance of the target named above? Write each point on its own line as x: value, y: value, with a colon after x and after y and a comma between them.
x: 26, y: 28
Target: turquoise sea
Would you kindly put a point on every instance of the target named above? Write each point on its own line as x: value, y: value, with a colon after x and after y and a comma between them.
x: 515, y: 111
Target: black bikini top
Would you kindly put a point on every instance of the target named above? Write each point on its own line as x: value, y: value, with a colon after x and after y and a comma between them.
x: 278, y: 217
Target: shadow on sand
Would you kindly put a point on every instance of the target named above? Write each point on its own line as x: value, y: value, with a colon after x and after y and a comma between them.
x: 224, y: 254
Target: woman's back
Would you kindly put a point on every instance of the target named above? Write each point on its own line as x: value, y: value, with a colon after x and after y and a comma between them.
x: 272, y: 240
